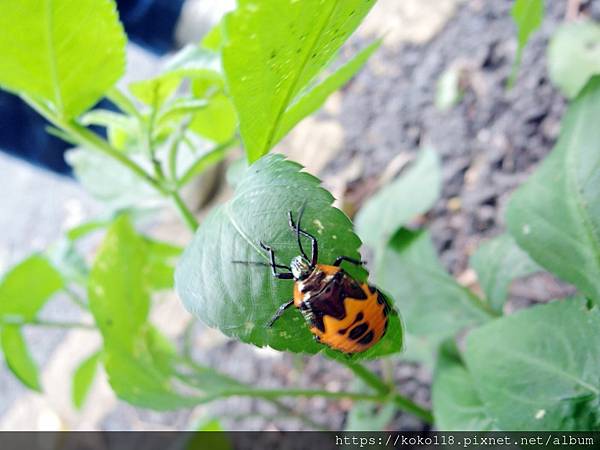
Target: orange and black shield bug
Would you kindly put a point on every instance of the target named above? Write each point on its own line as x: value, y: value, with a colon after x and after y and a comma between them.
x: 341, y: 312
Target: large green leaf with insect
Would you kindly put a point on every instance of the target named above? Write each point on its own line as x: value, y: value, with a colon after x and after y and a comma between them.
x: 538, y: 369
x: 272, y: 54
x: 240, y: 299
x: 64, y: 53
x: 555, y: 215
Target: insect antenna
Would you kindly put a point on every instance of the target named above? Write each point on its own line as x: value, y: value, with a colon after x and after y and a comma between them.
x: 296, y: 228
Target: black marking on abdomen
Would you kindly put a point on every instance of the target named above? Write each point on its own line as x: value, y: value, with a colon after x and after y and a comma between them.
x: 358, y: 330
x: 367, y: 338
x: 329, y: 299
x: 360, y: 316
x: 382, y: 301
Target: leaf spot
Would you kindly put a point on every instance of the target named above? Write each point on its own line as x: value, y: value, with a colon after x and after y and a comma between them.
x: 540, y: 414
x: 526, y: 229
x: 319, y: 225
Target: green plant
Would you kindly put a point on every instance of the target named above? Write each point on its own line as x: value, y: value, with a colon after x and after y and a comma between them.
x: 535, y: 369
x: 162, y: 136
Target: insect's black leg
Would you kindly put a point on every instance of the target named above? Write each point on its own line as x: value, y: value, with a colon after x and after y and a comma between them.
x: 274, y: 266
x: 279, y: 312
x: 356, y: 262
x: 299, y: 231
x: 258, y: 263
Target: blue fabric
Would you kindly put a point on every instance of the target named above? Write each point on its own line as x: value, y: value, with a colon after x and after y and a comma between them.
x: 151, y: 23
x: 148, y: 23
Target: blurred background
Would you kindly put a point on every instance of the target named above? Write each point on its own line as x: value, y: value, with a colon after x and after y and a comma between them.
x: 489, y: 138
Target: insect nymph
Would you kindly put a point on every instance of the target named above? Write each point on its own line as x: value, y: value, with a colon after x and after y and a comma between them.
x: 341, y: 312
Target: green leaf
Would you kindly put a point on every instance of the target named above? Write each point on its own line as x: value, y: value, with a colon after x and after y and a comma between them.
x: 118, y: 289
x: 456, y: 403
x: 498, y: 262
x: 26, y: 288
x: 240, y: 299
x: 110, y: 182
x: 314, y: 98
x: 211, y: 425
x: 218, y: 121
x: 191, y: 61
x: 160, y: 268
x: 141, y: 364
x: 177, y: 109
x: 119, y: 299
x: 574, y: 56
x: 214, y: 38
x: 18, y: 358
x: 555, y: 215
x: 82, y: 230
x: 61, y: 52
x: 206, y: 438
x: 155, y: 91
x: 528, y: 16
x: 83, y: 379
x: 433, y: 304
x: 273, y: 50
x: 141, y: 378
x: 411, y: 194
x: 106, y: 118
x: 448, y: 90
x: 202, y: 162
x: 538, y: 369
x: 195, y: 62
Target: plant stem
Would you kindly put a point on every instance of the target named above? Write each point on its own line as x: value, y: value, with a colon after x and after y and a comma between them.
x: 409, y: 406
x: 205, y: 161
x: 75, y: 298
x: 92, y: 140
x: 45, y: 323
x: 89, y: 139
x: 367, y: 376
x: 174, y: 149
x: 184, y: 211
x: 123, y: 102
x: 278, y: 393
x: 386, y: 391
x: 401, y: 402
x: 482, y: 306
